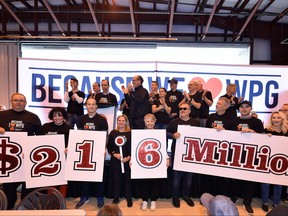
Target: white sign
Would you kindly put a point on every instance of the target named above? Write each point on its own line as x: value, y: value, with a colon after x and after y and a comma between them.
x: 148, y: 154
x: 11, y: 153
x: 85, y: 156
x: 44, y: 160
x: 254, y: 157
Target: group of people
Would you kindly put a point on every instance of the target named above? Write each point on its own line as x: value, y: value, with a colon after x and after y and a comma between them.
x: 142, y: 109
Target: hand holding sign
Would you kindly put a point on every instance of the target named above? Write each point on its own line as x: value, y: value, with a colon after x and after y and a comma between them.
x: 120, y: 141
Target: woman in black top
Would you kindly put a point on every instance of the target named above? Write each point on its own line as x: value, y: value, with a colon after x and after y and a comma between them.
x: 58, y: 125
x: 277, y: 127
x: 119, y: 147
x: 161, y: 110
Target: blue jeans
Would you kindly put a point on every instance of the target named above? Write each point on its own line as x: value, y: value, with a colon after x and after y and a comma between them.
x: 277, y: 189
x: 186, y: 179
x: 85, y: 189
x: 72, y: 120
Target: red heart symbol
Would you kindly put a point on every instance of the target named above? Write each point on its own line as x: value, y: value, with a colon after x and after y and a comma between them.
x: 213, y: 85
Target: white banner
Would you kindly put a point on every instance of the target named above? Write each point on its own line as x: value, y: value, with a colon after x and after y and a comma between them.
x: 85, y: 156
x: 44, y: 86
x: 11, y: 157
x: 148, y: 154
x: 44, y: 160
x: 254, y: 157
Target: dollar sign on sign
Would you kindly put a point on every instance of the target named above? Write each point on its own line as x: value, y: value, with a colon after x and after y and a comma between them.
x: 10, y: 159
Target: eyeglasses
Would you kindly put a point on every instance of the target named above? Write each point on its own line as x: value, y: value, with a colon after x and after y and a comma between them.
x: 19, y: 101
x: 183, y: 108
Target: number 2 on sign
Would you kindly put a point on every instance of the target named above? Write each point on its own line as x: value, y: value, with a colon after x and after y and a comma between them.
x: 46, y: 161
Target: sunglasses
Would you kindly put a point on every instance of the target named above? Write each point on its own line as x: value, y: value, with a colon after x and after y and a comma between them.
x: 183, y: 108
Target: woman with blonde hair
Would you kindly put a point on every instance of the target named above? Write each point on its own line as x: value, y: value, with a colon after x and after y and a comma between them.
x: 277, y: 126
x: 119, y: 147
x: 150, y: 187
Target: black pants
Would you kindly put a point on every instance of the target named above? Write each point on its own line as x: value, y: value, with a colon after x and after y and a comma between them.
x: 10, y: 189
x: 121, y: 180
x: 150, y: 189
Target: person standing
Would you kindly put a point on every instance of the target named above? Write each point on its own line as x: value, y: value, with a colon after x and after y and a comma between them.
x: 94, y: 122
x: 276, y: 127
x: 18, y: 119
x: 206, y: 103
x: 105, y: 98
x: 180, y: 176
x: 173, y: 98
x: 138, y: 99
x: 193, y: 98
x: 161, y: 110
x: 150, y: 187
x: 58, y: 115
x: 153, y: 94
x: 234, y: 101
x: 95, y: 90
x: 245, y: 123
x: 219, y: 121
x: 75, y: 99
x: 123, y: 133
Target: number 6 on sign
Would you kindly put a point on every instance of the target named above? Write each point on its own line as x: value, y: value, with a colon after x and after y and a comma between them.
x: 148, y: 154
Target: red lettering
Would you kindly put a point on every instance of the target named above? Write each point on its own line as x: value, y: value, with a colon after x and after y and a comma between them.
x: 223, y: 153
x: 250, y: 156
x: 198, y: 153
x: 279, y: 164
x: 46, y: 161
x: 85, y: 156
x: 263, y: 158
x: 237, y: 150
x: 148, y: 154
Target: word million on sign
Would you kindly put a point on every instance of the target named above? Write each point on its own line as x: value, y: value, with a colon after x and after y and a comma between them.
x: 254, y: 157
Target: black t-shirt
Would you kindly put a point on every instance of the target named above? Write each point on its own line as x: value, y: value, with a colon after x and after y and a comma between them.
x: 23, y: 121
x: 108, y: 99
x: 173, y: 127
x: 251, y: 123
x: 275, y: 133
x: 96, y: 123
x: 197, y: 97
x: 161, y: 116
x: 226, y: 121
x: 52, y: 129
x: 204, y: 109
x: 73, y: 106
x: 173, y: 99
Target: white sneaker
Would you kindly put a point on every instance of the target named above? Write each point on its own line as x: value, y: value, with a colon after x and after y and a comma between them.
x: 144, y: 206
x: 153, y: 206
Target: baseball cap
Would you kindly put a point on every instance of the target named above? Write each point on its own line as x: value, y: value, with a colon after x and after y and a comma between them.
x: 173, y: 80
x: 219, y: 205
x: 245, y: 102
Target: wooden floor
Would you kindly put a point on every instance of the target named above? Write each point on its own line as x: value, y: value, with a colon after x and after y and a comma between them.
x: 164, y: 207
